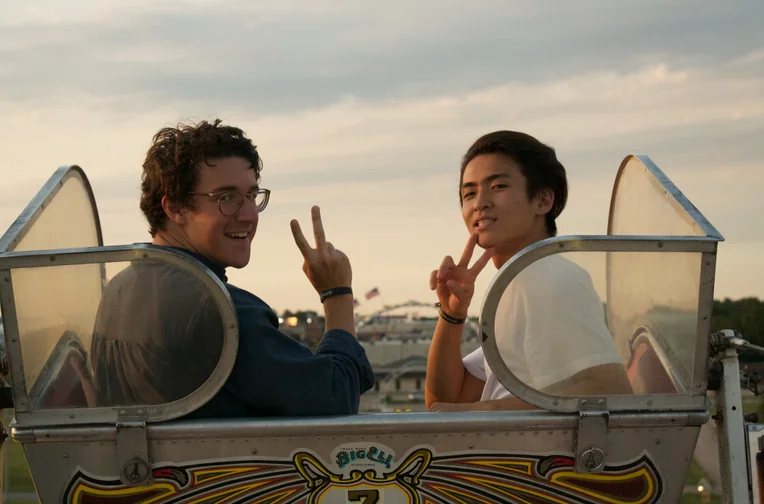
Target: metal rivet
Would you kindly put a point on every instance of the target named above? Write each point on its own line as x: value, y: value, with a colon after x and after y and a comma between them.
x: 254, y: 452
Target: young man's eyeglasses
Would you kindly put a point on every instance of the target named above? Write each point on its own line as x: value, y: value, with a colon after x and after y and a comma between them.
x: 229, y: 202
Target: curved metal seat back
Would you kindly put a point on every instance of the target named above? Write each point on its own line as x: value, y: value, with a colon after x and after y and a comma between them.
x: 63, y: 215
x: 55, y: 271
x: 661, y: 328
x: 654, y: 273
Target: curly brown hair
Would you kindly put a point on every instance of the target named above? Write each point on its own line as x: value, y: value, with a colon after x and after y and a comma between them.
x: 172, y: 161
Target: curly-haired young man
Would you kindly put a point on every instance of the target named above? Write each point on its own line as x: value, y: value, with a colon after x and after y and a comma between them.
x: 158, y: 336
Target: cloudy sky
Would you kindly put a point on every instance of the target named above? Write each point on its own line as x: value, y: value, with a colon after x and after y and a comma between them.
x: 366, y: 107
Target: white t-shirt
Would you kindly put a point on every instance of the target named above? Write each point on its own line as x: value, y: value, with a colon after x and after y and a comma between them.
x: 550, y: 325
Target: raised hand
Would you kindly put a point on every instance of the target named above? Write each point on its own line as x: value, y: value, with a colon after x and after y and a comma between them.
x: 455, y: 283
x: 325, y: 266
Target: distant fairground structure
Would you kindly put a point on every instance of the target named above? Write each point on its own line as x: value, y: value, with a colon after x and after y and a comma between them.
x: 397, y: 340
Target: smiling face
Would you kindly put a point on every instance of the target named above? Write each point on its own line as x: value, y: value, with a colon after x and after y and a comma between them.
x: 225, y: 240
x: 495, y: 204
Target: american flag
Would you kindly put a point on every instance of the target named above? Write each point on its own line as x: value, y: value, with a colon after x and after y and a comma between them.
x: 372, y: 293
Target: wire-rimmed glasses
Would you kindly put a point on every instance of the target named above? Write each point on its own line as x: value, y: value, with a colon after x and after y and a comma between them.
x: 229, y: 202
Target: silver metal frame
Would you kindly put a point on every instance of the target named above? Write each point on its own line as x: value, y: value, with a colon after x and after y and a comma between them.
x: 706, y: 245
x: 705, y: 308
x: 551, y: 246
x: 733, y: 458
x: 374, y: 425
x: 708, y: 266
x: 93, y: 437
x: 91, y: 255
x: 754, y: 439
x: 8, y: 242
x: 13, y: 344
x: 44, y: 196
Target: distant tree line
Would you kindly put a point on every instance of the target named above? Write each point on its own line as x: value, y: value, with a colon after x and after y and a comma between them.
x: 744, y: 315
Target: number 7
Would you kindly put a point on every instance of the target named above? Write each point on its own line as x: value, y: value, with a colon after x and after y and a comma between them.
x: 368, y: 496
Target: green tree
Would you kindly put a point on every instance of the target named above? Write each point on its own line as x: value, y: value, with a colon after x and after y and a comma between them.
x: 744, y: 315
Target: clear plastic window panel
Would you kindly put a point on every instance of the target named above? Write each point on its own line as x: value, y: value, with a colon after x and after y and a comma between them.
x: 602, y: 323
x: 146, y: 333
x: 643, y: 206
x: 68, y: 221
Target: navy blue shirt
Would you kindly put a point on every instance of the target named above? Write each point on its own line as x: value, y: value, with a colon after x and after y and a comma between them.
x: 273, y: 375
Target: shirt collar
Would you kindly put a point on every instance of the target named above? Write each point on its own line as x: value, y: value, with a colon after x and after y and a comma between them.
x: 215, y: 267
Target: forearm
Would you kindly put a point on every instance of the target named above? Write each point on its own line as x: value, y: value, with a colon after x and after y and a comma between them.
x: 338, y: 312
x: 445, y: 370
x: 607, y: 379
x: 275, y: 375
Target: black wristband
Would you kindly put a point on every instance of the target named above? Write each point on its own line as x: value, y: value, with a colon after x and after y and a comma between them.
x: 448, y: 318
x: 335, y: 291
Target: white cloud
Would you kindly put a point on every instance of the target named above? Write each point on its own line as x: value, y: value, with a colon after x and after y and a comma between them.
x: 588, y: 108
x: 288, y: 56
x: 381, y: 155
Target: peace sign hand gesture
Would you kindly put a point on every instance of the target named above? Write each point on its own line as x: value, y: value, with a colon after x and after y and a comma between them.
x: 325, y: 266
x: 455, y: 283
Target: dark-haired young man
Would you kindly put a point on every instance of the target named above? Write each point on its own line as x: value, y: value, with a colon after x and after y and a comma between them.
x: 550, y: 326
x: 158, y: 335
